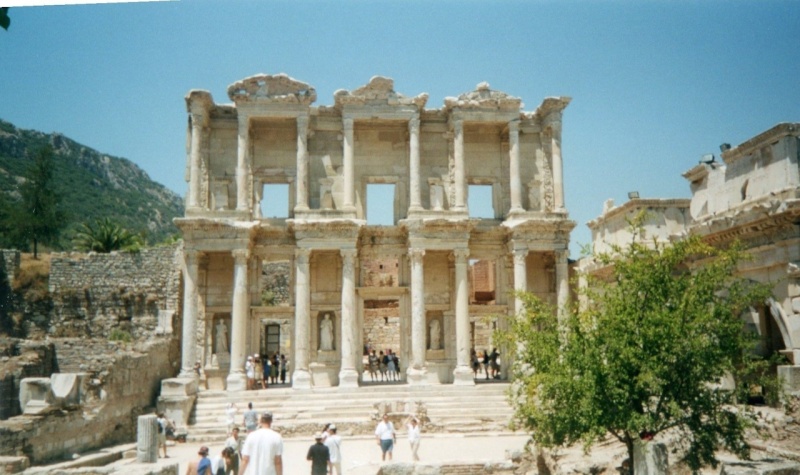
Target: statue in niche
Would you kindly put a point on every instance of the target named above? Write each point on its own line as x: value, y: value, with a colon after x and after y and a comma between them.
x: 326, y: 333
x: 221, y: 338
x: 435, y: 333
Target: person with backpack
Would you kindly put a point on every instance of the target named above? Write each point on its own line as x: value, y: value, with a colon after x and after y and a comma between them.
x: 162, y: 424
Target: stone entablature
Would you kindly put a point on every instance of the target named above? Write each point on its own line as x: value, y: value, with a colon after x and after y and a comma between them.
x: 271, y: 139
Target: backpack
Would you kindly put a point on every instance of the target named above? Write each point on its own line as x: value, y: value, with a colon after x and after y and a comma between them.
x: 160, y: 427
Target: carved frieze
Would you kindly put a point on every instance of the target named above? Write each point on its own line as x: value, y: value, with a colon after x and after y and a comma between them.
x: 378, y: 91
x: 484, y: 98
x: 278, y: 88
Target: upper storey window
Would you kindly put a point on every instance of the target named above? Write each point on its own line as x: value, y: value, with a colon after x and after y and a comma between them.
x: 480, y: 202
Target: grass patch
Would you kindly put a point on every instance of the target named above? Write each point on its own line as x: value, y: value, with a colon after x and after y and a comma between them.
x: 33, y: 277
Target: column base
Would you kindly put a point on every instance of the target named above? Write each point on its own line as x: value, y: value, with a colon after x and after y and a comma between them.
x: 188, y: 374
x: 301, y: 379
x: 348, y: 378
x: 417, y: 377
x: 463, y: 376
x: 236, y: 382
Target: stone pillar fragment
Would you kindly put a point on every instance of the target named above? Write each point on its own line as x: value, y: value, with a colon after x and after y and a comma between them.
x: 302, y: 163
x: 515, y: 182
x: 520, y: 277
x: 193, y: 200
x: 413, y: 166
x: 242, y: 166
x: 147, y: 439
x: 417, y: 369
x: 462, y: 375
x: 558, y: 169
x: 301, y: 377
x: 459, y: 171
x: 349, y: 169
x: 190, y: 309
x: 348, y: 375
x: 237, y: 379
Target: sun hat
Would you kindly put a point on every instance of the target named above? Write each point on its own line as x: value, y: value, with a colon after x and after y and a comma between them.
x: 318, y: 436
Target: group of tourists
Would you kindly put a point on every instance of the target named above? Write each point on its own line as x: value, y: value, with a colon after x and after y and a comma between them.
x: 488, y: 362
x: 386, y: 364
x: 263, y: 370
x: 261, y: 451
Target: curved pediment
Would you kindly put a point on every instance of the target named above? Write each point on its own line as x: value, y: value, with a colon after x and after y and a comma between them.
x: 484, y: 98
x: 379, y: 91
x: 278, y: 88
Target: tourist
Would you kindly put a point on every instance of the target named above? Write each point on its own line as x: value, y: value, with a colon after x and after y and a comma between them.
x: 373, y: 363
x: 262, y: 452
x: 320, y: 456
x: 267, y: 371
x: 202, y: 466
x: 250, y: 418
x: 391, y: 367
x: 230, y: 417
x: 234, y: 442
x: 386, y: 436
x: 219, y: 463
x: 163, y: 425
x: 396, y: 361
x: 334, y: 444
x: 276, y: 365
x: 495, y: 366
x: 250, y: 371
x: 384, y: 363
x: 413, y: 428
x: 284, y: 367
x: 474, y: 362
x: 486, y: 363
x: 258, y: 372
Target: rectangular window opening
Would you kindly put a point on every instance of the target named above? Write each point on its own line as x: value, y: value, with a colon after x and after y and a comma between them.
x: 275, y: 200
x: 482, y: 282
x: 480, y: 202
x: 380, y: 204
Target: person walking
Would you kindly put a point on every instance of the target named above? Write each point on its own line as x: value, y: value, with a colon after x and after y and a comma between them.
x: 414, y: 435
x: 250, y: 372
x: 262, y: 453
x: 319, y: 456
x: 284, y: 364
x: 163, y: 425
x: 230, y: 417
x: 334, y: 444
x: 234, y: 442
x: 386, y: 436
x: 250, y: 418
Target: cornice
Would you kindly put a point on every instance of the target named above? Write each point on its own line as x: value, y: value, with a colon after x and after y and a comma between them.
x: 774, y: 134
x: 266, y: 88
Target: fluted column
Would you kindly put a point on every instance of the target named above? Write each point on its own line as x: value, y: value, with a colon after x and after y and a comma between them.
x: 520, y: 277
x: 413, y: 168
x: 462, y: 375
x: 460, y: 174
x: 301, y: 378
x: 417, y: 369
x: 237, y: 379
x: 348, y: 375
x: 562, y: 283
x: 190, y: 300
x: 242, y: 168
x: 302, y: 163
x: 193, y: 200
x: 515, y: 181
x: 147, y: 439
x: 558, y: 169
x: 349, y: 170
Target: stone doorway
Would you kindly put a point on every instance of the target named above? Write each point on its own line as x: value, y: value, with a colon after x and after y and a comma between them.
x: 382, y: 333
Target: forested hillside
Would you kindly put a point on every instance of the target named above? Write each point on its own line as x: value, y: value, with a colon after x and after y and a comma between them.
x: 91, y: 185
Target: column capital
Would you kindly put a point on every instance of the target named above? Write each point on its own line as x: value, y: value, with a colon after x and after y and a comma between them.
x: 302, y: 255
x: 191, y: 256
x: 458, y: 125
x: 520, y: 255
x: 302, y: 121
x: 413, y: 125
x: 347, y: 124
x: 513, y: 126
x: 415, y: 253
x: 348, y: 253
x: 561, y: 256
x: 461, y: 254
x: 240, y: 255
x: 198, y: 120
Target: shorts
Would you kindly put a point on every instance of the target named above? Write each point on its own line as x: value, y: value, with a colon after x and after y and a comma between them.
x: 162, y: 439
x: 387, y: 445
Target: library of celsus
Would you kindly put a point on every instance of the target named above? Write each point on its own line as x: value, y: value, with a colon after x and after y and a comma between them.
x: 431, y: 285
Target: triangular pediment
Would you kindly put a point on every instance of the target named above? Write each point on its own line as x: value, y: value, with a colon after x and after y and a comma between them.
x: 278, y: 88
x: 484, y: 98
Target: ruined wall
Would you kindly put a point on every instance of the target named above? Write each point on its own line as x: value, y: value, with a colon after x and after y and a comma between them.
x: 95, y: 294
x: 22, y: 359
x: 382, y: 328
x: 125, y: 383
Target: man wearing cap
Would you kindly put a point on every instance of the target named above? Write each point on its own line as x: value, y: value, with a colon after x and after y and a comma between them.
x: 202, y: 466
x: 320, y: 456
x: 334, y: 444
x: 262, y: 453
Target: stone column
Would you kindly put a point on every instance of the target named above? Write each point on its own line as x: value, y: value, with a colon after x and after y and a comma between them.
x: 417, y: 369
x: 462, y: 375
x: 190, y: 301
x: 349, y: 170
x: 237, y: 379
x: 515, y: 181
x: 520, y: 277
x: 193, y: 200
x: 302, y: 163
x: 301, y: 377
x: 558, y: 168
x: 460, y: 174
x: 348, y: 375
x: 562, y: 282
x: 242, y: 168
x: 413, y: 166
x: 147, y: 439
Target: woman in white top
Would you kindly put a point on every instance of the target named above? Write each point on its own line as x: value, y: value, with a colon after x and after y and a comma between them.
x: 413, y: 427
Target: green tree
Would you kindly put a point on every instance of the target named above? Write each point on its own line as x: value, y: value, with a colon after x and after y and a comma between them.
x: 5, y: 20
x: 38, y: 217
x: 105, y: 236
x: 646, y: 355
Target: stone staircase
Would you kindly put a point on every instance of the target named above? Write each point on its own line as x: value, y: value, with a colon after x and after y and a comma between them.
x: 480, y: 408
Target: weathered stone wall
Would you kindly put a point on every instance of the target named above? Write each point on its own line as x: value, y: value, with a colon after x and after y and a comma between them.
x: 275, y: 282
x: 95, y: 294
x: 125, y: 383
x: 21, y: 359
x: 382, y: 328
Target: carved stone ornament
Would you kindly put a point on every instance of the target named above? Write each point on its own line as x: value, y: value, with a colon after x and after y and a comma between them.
x: 485, y: 99
x: 378, y: 91
x: 266, y: 88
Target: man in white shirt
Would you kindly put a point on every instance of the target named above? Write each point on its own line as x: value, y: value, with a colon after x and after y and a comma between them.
x: 334, y: 444
x: 234, y: 442
x: 384, y: 432
x: 262, y: 453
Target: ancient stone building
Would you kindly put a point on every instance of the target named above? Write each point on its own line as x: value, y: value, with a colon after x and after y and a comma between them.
x: 271, y: 145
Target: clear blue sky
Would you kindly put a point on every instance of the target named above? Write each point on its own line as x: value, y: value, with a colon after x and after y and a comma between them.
x: 655, y: 84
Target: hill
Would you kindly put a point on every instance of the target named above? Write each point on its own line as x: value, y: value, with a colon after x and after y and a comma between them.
x: 91, y: 184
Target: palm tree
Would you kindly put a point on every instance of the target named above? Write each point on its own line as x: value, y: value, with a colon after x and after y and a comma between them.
x: 105, y: 236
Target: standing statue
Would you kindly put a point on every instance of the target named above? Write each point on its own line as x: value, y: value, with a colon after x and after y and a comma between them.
x: 326, y: 333
x: 222, y: 338
x: 436, y: 339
